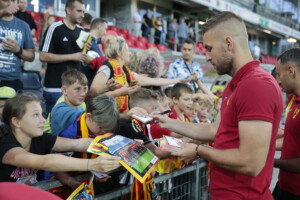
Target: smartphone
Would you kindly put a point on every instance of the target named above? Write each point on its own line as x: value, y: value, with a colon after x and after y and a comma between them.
x: 133, y: 83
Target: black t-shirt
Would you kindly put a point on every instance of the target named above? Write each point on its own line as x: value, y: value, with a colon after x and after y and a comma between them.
x: 27, y: 18
x: 148, y: 21
x: 131, y: 129
x: 59, y: 39
x: 40, y: 145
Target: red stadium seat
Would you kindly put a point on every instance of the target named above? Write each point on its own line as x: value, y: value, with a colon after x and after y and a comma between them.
x: 143, y: 40
x: 130, y: 43
x: 124, y: 35
x: 132, y: 37
x: 140, y: 45
x: 172, y: 43
x: 125, y: 31
x: 161, y: 48
x: 150, y: 45
x: 113, y: 28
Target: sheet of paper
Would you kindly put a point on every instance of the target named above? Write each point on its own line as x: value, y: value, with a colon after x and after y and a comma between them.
x: 173, y: 141
x: 82, y: 38
x: 142, y: 119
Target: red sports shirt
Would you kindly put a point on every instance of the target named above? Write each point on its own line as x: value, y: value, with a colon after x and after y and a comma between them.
x: 252, y: 94
x: 290, y: 182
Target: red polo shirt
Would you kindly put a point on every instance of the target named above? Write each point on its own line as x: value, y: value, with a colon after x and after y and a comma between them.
x: 290, y: 182
x: 252, y: 94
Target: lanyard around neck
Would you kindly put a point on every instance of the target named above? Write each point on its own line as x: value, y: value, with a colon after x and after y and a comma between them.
x: 288, y: 108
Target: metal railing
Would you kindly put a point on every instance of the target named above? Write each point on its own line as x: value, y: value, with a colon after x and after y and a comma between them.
x: 189, y: 183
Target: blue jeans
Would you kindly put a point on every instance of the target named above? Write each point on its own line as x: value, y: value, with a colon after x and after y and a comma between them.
x: 163, y: 38
x: 51, y: 99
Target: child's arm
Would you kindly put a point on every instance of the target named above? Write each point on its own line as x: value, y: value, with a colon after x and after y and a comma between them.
x: 67, y: 180
x: 147, y: 81
x: 201, y: 86
x: 77, y: 145
x: 19, y: 157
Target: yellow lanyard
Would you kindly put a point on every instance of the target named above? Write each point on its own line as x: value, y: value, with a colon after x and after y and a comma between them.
x: 288, y: 108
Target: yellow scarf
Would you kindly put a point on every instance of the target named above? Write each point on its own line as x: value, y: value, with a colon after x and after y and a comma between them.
x: 85, y: 134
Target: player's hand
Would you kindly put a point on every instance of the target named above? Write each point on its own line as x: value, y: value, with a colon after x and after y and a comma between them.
x: 162, y: 121
x: 187, y: 153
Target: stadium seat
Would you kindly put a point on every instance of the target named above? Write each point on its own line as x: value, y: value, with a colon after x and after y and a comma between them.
x: 161, y: 48
x: 32, y: 83
x: 36, y: 16
x: 125, y: 31
x: 132, y: 37
x: 140, y: 45
x: 130, y: 43
x: 143, y: 40
x: 113, y: 28
x: 124, y: 35
x: 172, y: 42
x: 150, y: 45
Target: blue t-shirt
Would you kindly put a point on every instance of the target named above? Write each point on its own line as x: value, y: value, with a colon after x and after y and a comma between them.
x: 95, y: 46
x: 62, y: 115
x: 10, y: 64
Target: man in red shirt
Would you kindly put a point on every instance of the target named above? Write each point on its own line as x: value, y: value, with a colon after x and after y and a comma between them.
x: 288, y: 72
x: 244, y: 133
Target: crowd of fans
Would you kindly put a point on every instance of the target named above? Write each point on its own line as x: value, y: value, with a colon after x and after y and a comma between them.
x: 157, y: 28
x: 100, y: 88
x: 91, y: 93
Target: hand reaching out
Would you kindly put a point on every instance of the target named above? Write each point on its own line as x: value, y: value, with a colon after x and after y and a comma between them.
x: 104, y: 163
x: 161, y: 120
x: 194, y: 77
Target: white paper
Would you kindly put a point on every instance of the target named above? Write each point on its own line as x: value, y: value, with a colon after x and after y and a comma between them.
x: 173, y: 141
x: 142, y: 119
x: 82, y: 38
x: 100, y: 175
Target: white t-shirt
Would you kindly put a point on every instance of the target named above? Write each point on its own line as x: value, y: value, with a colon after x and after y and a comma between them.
x: 137, y: 17
x: 256, y: 51
x: 105, y: 69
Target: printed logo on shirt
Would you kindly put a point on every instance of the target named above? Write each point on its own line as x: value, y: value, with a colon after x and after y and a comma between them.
x: 24, y: 175
x: 65, y: 39
x: 136, y: 126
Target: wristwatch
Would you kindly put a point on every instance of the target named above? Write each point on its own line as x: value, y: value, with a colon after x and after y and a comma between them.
x: 19, y: 53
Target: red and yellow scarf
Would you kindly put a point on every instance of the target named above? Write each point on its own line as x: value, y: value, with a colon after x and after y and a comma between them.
x: 120, y: 77
x: 142, y: 191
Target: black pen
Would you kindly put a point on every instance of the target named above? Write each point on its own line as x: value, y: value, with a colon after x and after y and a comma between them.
x: 165, y: 112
